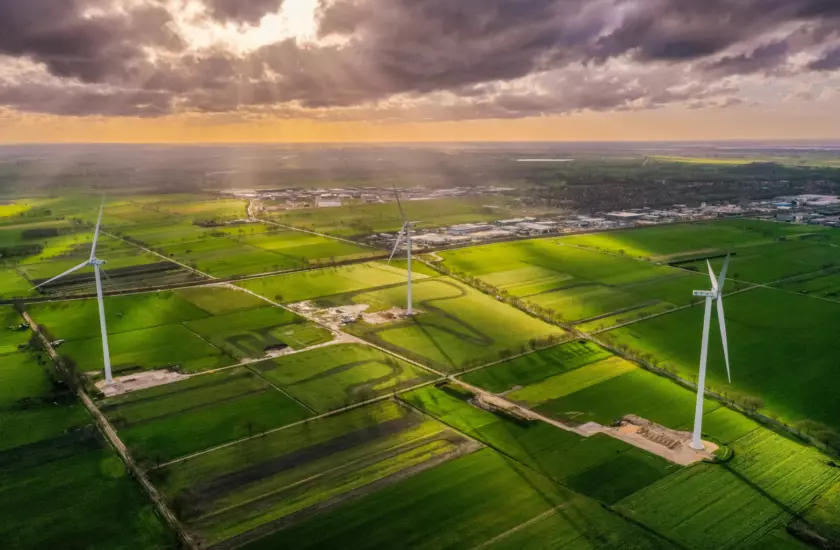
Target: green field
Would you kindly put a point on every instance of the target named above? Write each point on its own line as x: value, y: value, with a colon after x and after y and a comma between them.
x: 335, y: 376
x: 781, y: 354
x: 177, y: 419
x: 359, y: 220
x: 308, y: 285
x: 570, y: 283
x: 599, y: 466
x: 537, y: 366
x: 60, y: 485
x: 11, y: 334
x: 456, y: 326
x: 475, y: 500
x: 770, y: 480
x: 245, y: 491
x: 670, y: 242
x: 190, y: 329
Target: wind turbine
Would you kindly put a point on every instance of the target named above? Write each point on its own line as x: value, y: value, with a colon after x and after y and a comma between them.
x: 716, y: 294
x: 96, y: 263
x: 405, y: 232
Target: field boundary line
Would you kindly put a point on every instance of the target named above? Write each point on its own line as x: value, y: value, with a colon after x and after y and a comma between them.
x: 159, y: 255
x: 324, y: 235
x: 383, y: 397
x: 547, y: 514
x: 119, y: 447
x: 283, y: 392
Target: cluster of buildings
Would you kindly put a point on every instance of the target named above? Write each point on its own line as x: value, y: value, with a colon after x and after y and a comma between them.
x: 808, y: 209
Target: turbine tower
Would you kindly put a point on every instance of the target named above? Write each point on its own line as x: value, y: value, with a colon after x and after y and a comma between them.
x: 96, y: 263
x: 716, y: 294
x: 405, y: 232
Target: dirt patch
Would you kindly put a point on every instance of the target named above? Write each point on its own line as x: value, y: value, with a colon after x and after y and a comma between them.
x: 665, y: 442
x: 333, y: 317
x: 139, y: 381
x: 388, y: 316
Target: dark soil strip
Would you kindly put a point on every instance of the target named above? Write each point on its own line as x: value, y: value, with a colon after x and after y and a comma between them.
x: 181, y: 392
x: 222, y: 485
x: 49, y: 450
x: 616, y: 312
x: 124, y: 425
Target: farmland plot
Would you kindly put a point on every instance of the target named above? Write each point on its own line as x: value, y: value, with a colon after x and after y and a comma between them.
x: 339, y: 375
x: 456, y: 326
x: 163, y: 423
x: 246, y: 491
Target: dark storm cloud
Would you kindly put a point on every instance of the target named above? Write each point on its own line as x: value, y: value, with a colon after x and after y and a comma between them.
x: 242, y: 11
x: 416, y: 49
x: 829, y: 61
x: 82, y: 101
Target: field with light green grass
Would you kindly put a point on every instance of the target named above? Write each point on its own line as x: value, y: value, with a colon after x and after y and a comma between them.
x: 537, y: 366
x: 558, y: 454
x: 359, y: 220
x: 573, y: 284
x: 668, y: 242
x: 242, y: 492
x: 177, y: 419
x: 219, y: 300
x: 466, y: 503
x: 781, y: 354
x: 11, y: 335
x: 335, y: 376
x: 769, y: 481
x: 309, y: 285
x: 456, y: 325
x: 778, y: 261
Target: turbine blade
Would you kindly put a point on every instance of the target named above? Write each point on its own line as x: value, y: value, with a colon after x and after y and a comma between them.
x: 396, y: 245
x: 722, y: 275
x: 712, y: 276
x: 399, y: 204
x: 68, y: 272
x: 723, y: 340
x: 96, y: 233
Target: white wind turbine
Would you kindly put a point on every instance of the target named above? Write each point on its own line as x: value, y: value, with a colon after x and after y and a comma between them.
x: 96, y: 263
x: 716, y: 294
x: 405, y: 232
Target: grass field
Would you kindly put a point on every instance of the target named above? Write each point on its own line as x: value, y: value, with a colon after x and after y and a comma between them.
x: 308, y: 285
x: 364, y: 219
x: 177, y: 419
x: 692, y: 239
x: 477, y: 499
x: 60, y: 485
x: 571, y: 283
x: 11, y: 335
x: 598, y: 466
x: 335, y: 376
x: 192, y: 329
x: 537, y: 366
x: 780, y: 350
x: 769, y: 480
x: 256, y: 487
x: 457, y: 326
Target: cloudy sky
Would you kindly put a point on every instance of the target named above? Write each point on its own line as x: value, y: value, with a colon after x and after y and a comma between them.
x: 362, y: 70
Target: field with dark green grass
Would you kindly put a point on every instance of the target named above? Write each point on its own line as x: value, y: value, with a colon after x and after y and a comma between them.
x: 456, y: 326
x: 61, y: 486
x: 480, y: 499
x: 335, y: 376
x: 242, y: 492
x: 590, y: 465
x: 177, y: 419
x: 573, y: 284
x: 781, y: 350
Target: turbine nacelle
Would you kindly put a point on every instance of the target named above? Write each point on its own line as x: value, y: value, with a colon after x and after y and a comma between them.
x: 705, y: 293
